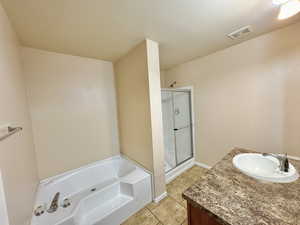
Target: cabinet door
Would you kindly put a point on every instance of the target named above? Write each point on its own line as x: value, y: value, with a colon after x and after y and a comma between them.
x: 197, y: 216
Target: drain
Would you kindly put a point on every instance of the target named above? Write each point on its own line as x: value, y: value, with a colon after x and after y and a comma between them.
x: 93, y: 189
x: 66, y: 203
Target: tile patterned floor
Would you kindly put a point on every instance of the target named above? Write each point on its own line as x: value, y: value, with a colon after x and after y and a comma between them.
x: 172, y: 209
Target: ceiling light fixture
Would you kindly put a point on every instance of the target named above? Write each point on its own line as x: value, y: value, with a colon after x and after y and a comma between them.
x: 288, y: 8
x: 279, y: 2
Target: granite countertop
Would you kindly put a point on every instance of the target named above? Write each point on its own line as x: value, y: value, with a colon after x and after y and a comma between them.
x: 236, y: 199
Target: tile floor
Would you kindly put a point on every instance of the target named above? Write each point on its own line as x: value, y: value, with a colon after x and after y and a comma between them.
x: 172, y: 209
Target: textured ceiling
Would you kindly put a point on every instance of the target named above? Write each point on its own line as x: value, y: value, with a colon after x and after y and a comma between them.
x: 107, y: 29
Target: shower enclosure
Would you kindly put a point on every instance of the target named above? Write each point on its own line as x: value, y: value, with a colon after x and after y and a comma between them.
x: 177, y: 125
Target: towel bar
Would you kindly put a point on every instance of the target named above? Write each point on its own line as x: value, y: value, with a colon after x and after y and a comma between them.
x: 10, y: 131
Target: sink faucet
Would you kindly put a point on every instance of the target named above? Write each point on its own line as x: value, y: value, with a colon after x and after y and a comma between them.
x: 283, y: 161
x: 54, y: 203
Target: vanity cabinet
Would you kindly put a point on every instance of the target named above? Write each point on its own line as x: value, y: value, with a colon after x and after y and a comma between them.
x: 197, y: 216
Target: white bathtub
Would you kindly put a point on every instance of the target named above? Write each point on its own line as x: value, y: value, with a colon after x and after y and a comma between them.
x: 120, y: 189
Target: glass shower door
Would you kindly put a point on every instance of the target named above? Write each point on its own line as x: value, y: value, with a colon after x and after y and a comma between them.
x: 176, y: 108
x: 168, y: 129
x: 182, y: 126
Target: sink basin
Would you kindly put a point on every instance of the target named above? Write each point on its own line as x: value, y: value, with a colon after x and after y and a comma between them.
x: 265, y: 168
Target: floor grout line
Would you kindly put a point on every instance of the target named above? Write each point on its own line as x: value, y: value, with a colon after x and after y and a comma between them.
x: 170, y: 196
x: 156, y: 218
x: 174, y: 198
x: 182, y: 207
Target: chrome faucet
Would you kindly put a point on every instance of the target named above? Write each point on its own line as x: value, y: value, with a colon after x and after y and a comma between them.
x: 283, y: 161
x: 54, y: 204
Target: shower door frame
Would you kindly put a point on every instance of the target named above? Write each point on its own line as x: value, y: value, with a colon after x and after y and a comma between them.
x: 188, y: 89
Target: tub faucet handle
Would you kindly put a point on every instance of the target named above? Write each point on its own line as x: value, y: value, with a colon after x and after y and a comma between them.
x: 54, y: 203
x: 39, y: 210
x: 66, y: 203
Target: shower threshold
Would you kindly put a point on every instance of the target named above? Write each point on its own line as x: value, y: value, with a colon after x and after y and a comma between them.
x: 174, y: 172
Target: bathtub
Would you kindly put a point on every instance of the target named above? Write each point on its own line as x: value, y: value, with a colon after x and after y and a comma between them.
x: 103, y: 193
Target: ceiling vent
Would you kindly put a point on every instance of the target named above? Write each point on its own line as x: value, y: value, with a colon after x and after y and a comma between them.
x: 240, y: 33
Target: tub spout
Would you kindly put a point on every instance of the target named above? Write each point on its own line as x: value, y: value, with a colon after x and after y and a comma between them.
x: 54, y: 203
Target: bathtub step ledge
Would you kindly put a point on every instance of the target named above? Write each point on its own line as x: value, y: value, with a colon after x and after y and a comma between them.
x: 106, y: 209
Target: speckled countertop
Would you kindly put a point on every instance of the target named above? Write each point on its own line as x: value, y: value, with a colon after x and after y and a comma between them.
x: 236, y: 199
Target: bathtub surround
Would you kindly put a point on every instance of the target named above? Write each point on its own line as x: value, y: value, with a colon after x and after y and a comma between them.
x: 17, y: 158
x: 246, y: 95
x: 102, y: 193
x: 73, y: 109
x: 139, y: 110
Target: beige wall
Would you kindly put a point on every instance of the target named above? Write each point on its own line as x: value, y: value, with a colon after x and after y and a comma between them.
x: 134, y: 107
x: 73, y: 110
x: 138, y: 87
x: 17, y: 158
x: 162, y: 78
x: 247, y: 96
x: 156, y: 116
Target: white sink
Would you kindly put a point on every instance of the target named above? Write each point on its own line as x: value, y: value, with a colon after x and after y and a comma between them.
x: 265, y: 168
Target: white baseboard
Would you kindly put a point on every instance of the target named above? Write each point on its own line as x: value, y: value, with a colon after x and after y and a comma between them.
x: 171, y: 175
x: 203, y: 165
x: 161, y: 197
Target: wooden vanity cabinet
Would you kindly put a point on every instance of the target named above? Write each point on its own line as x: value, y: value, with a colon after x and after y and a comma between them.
x: 197, y: 216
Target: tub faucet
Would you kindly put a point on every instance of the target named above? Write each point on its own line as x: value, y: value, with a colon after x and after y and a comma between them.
x: 283, y: 161
x: 54, y: 203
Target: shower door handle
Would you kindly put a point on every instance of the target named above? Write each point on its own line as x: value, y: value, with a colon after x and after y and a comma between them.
x: 176, y: 129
